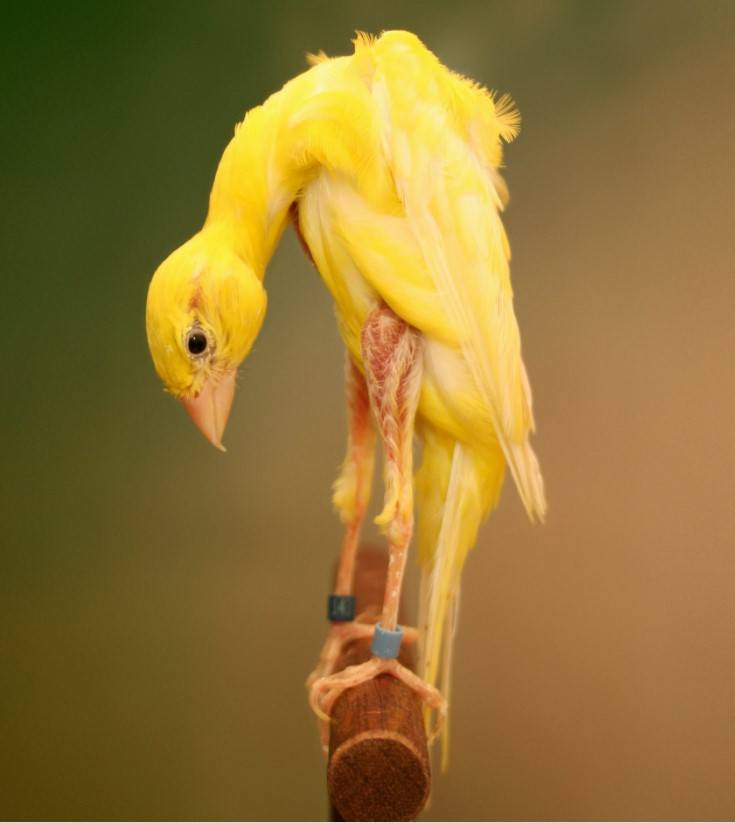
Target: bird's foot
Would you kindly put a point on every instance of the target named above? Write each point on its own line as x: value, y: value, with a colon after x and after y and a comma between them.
x: 325, y: 690
x: 339, y: 636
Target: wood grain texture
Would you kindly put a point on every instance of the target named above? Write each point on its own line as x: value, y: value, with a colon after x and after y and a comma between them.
x: 379, y: 767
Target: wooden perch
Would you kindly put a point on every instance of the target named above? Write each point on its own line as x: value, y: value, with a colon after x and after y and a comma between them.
x: 379, y: 766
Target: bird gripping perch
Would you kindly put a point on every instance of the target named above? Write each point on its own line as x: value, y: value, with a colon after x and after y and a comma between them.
x: 388, y: 162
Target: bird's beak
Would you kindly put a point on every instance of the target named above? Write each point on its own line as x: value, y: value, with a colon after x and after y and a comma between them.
x: 211, y: 407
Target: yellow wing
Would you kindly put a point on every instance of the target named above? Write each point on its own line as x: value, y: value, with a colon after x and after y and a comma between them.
x: 441, y: 139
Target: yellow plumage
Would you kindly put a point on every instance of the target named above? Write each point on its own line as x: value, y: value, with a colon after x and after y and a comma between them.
x: 392, y: 160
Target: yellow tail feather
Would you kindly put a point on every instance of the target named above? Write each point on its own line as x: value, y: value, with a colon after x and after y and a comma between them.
x: 467, y: 486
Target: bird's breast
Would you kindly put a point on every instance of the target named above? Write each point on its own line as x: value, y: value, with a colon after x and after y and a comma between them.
x: 322, y: 234
x: 366, y: 258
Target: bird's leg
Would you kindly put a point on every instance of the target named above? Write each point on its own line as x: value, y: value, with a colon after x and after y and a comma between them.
x: 351, y: 498
x: 392, y: 356
x: 352, y: 488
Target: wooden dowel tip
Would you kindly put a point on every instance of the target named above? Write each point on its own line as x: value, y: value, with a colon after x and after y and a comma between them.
x: 379, y: 767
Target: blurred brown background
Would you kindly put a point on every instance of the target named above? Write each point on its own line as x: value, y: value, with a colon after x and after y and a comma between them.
x: 162, y: 603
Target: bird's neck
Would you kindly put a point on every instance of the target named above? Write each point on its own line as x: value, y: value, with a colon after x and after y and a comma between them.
x: 258, y: 179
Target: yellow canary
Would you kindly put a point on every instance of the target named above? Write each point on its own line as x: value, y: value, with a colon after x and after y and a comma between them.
x: 387, y: 163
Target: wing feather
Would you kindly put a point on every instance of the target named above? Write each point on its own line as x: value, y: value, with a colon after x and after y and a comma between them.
x: 441, y: 138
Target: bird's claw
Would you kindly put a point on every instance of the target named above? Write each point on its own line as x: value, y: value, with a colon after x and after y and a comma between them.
x: 340, y: 634
x: 324, y: 691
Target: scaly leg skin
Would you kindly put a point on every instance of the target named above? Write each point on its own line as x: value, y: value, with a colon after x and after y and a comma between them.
x: 392, y: 356
x: 351, y: 498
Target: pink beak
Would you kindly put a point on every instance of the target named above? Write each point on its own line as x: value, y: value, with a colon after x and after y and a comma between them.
x: 211, y: 407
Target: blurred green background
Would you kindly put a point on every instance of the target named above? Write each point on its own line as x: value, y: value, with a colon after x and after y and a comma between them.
x: 162, y: 603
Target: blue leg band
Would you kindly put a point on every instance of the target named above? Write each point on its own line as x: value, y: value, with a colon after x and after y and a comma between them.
x: 386, y: 644
x: 340, y: 608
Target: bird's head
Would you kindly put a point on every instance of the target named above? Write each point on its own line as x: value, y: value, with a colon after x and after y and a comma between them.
x: 205, y: 308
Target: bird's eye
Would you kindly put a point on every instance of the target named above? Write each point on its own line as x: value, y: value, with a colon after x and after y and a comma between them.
x: 196, y: 342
